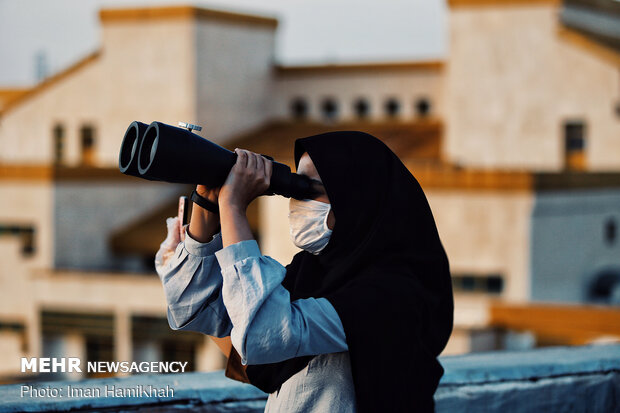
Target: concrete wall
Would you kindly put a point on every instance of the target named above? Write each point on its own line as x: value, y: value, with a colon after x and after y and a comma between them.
x: 568, y: 245
x: 212, y: 73
x: 129, y: 80
x: 148, y: 69
x: 86, y: 214
x: 275, y: 239
x: 101, y: 292
x: 10, y: 352
x: 15, y: 305
x: 26, y: 129
x: 30, y: 203
x: 376, y: 86
x: 233, y: 85
x: 511, y: 82
x: 486, y: 232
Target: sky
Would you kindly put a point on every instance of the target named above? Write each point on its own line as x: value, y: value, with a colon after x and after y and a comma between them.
x: 61, y: 32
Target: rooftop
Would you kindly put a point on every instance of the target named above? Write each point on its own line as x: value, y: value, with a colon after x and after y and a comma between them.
x: 550, y: 379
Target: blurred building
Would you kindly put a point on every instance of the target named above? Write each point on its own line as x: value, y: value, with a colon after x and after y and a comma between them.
x: 514, y: 137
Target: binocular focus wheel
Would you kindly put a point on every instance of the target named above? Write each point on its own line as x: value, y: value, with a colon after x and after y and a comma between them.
x: 190, y: 126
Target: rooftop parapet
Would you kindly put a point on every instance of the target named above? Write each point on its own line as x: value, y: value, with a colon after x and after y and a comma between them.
x: 550, y: 379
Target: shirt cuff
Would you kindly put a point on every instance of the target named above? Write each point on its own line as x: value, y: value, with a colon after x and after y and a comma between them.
x: 202, y: 249
x: 237, y: 252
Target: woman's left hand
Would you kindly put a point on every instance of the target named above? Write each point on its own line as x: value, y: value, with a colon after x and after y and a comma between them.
x: 248, y: 179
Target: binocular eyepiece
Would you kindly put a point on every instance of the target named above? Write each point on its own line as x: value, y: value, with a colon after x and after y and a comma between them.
x: 160, y: 152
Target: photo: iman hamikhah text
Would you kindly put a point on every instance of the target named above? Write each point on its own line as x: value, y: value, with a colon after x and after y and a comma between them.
x: 69, y: 391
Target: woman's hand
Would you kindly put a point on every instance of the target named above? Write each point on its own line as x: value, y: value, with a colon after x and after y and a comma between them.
x: 248, y: 179
x: 167, y: 248
x: 210, y: 193
x: 203, y: 224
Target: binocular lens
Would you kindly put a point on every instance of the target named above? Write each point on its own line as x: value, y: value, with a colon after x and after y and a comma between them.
x: 130, y: 147
x: 148, y: 148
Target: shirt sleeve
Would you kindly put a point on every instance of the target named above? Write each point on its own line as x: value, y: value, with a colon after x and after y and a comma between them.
x: 267, y: 326
x: 192, y: 284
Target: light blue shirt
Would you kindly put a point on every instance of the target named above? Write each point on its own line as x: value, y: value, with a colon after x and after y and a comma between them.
x: 237, y: 291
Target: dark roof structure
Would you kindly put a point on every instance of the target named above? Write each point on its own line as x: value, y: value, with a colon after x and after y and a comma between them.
x: 412, y: 140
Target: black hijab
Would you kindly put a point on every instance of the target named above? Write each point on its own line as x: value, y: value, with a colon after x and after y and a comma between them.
x: 384, y: 270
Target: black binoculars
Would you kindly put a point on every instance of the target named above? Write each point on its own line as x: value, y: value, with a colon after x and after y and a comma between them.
x: 160, y: 152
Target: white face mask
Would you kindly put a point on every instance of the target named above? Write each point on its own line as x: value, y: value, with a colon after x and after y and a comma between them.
x: 308, y: 224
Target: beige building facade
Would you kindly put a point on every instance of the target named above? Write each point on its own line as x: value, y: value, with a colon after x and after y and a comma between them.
x: 474, y: 129
x: 515, y: 76
x: 376, y: 85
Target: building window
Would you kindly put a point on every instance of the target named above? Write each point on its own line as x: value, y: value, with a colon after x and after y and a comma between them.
x: 87, y: 136
x: 299, y: 108
x: 605, y: 287
x: 99, y: 348
x: 361, y: 108
x: 59, y: 143
x: 25, y: 235
x: 96, y: 329
x: 392, y: 107
x: 574, y: 145
x: 474, y: 283
x: 423, y: 107
x: 609, y: 230
x: 329, y: 108
x: 171, y: 346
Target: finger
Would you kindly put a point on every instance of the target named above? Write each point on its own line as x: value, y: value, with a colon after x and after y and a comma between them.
x: 251, y: 160
x: 202, y: 190
x: 268, y: 168
x: 242, y: 158
x: 260, y: 163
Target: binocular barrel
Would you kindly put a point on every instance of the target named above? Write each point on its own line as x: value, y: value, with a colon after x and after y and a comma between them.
x: 161, y: 152
x: 130, y: 147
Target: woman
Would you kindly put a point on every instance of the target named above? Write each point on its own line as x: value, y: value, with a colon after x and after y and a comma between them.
x: 356, y: 321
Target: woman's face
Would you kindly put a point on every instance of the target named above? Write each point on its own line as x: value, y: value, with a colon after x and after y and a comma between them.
x: 306, y: 167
